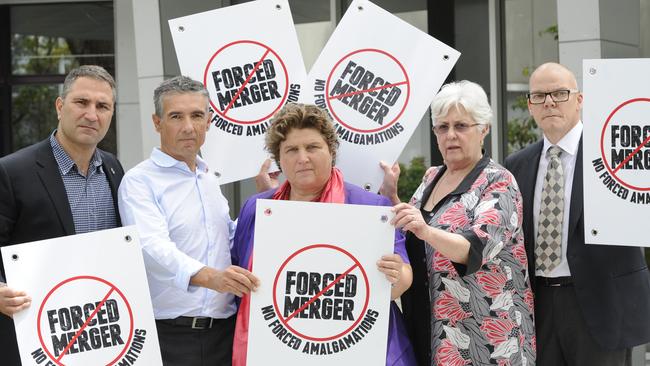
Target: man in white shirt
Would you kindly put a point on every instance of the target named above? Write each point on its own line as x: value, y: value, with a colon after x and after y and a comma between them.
x: 592, y: 302
x: 185, y: 231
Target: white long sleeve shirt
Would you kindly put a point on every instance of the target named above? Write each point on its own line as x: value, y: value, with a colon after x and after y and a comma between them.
x: 569, y: 145
x: 184, y: 225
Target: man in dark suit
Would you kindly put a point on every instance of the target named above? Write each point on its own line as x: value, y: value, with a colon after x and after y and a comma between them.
x: 61, y: 186
x: 592, y: 302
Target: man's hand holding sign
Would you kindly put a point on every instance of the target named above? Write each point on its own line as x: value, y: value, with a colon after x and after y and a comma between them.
x: 13, y: 301
x: 87, y: 312
x: 233, y: 279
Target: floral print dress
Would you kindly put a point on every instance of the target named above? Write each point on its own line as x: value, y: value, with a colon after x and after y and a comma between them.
x: 481, y: 312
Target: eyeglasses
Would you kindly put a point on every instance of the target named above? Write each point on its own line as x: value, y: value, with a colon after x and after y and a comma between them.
x: 561, y: 95
x: 443, y: 129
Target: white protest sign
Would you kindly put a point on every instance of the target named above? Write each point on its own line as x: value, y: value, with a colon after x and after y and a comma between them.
x: 249, y: 59
x: 376, y: 77
x: 90, y: 300
x: 322, y: 301
x: 616, y: 151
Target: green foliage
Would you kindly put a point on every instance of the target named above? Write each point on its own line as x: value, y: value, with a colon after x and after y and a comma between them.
x: 410, y: 177
x: 552, y: 30
x: 39, y: 55
x: 521, y: 130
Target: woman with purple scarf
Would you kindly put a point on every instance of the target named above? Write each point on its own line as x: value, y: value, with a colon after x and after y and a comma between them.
x: 302, y: 140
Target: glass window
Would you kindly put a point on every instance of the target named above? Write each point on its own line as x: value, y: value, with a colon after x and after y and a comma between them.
x: 37, y: 55
x: 46, y: 42
x: 53, y: 38
x: 309, y: 11
x: 531, y: 39
x: 32, y: 113
x: 304, y: 11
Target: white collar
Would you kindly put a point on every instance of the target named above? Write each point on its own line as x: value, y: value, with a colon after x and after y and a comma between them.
x: 568, y: 143
x: 164, y: 160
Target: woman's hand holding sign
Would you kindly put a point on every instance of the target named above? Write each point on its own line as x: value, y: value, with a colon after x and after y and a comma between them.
x: 265, y: 180
x: 409, y: 218
x: 398, y: 273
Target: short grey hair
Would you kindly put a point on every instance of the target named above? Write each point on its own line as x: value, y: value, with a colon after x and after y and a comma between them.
x: 466, y: 94
x: 177, y: 85
x: 88, y: 71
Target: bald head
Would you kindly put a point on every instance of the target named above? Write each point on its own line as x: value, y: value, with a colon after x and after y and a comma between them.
x: 556, y: 115
x: 558, y: 70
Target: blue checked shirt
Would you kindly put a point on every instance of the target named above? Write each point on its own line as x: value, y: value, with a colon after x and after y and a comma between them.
x: 90, y: 198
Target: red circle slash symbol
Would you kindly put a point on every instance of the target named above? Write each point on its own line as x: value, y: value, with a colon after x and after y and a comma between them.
x: 614, y: 171
x: 83, y: 280
x: 314, y: 250
x: 339, y: 69
x: 226, y: 55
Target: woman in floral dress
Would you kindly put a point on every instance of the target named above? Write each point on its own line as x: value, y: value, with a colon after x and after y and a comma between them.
x: 470, y: 302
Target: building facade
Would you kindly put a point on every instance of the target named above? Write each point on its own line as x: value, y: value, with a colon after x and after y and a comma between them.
x: 501, y: 41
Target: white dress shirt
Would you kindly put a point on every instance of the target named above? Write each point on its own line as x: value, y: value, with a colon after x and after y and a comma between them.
x: 569, y: 145
x: 184, y: 225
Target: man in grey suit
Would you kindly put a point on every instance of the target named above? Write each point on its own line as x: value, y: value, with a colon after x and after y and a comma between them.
x: 63, y: 185
x: 592, y: 302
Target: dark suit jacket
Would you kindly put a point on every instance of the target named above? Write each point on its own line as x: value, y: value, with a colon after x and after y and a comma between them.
x: 34, y: 206
x: 612, y: 283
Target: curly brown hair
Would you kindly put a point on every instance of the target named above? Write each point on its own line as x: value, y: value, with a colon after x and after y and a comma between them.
x: 300, y: 116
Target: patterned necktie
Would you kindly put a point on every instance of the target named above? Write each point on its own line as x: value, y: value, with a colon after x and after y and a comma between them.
x: 548, y: 251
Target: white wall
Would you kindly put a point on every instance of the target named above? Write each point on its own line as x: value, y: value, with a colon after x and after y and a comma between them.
x: 607, y: 29
x: 312, y: 38
x: 139, y: 68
